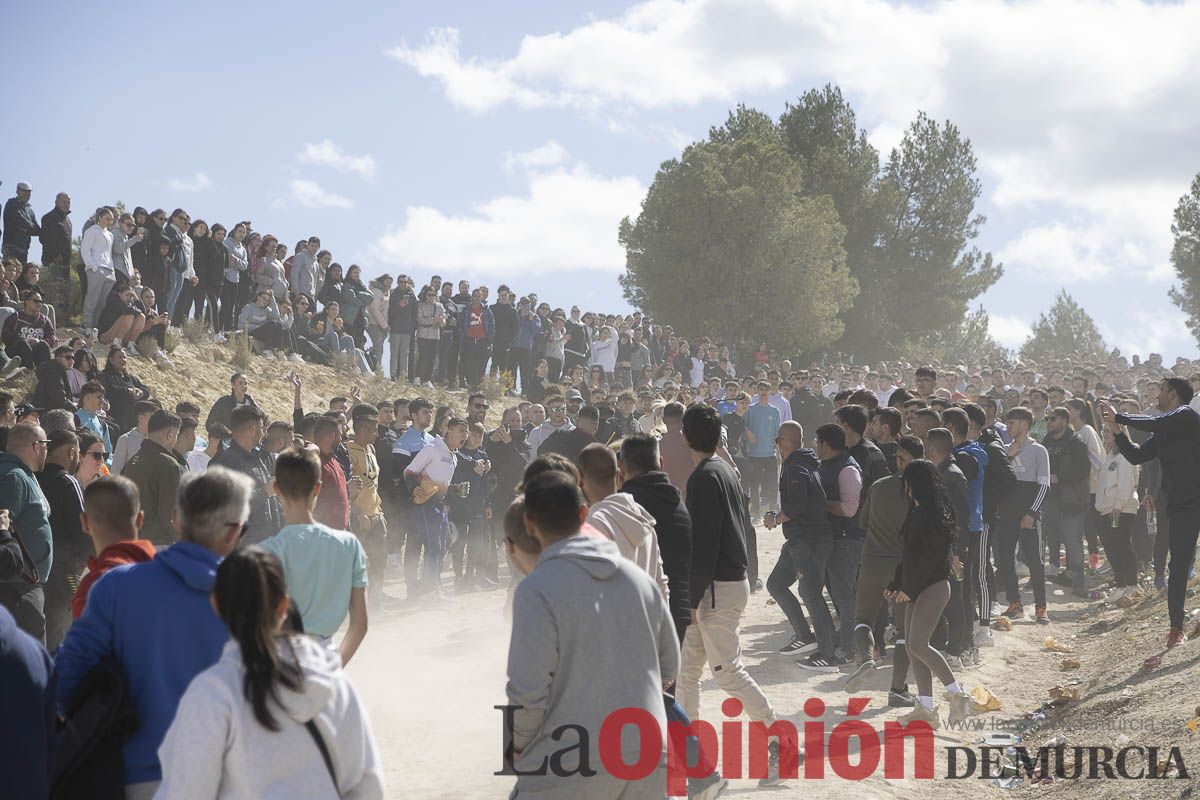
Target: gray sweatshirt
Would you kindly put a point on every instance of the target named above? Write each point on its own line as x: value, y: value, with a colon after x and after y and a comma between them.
x: 591, y: 634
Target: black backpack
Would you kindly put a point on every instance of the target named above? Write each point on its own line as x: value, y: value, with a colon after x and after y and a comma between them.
x: 87, y: 747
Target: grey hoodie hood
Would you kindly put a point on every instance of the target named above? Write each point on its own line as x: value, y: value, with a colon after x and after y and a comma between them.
x: 594, y: 556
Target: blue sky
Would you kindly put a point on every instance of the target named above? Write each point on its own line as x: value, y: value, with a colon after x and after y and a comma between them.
x: 503, y: 142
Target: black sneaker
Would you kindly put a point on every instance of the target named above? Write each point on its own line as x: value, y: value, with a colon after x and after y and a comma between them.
x: 799, y: 646
x: 859, y: 675
x: 772, y: 777
x: 900, y: 699
x: 819, y: 663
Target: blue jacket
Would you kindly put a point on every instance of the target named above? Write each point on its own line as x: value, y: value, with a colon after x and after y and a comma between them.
x: 29, y: 512
x: 527, y: 329
x: 27, y: 697
x: 974, y: 482
x: 489, y: 321
x: 157, y: 620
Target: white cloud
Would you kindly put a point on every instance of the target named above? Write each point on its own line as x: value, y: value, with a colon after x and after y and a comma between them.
x: 1009, y: 331
x: 309, y: 194
x: 551, y: 154
x: 1145, y: 332
x: 1083, y: 113
x: 197, y: 183
x: 327, y: 153
x: 565, y: 220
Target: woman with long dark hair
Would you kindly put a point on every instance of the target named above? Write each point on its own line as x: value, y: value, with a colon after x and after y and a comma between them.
x: 298, y: 726
x: 1083, y: 422
x: 922, y: 586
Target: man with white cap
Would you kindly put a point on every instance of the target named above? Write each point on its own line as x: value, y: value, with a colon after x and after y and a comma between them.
x: 20, y: 224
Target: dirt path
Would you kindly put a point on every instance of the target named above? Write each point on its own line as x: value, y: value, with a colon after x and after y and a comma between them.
x: 431, y: 677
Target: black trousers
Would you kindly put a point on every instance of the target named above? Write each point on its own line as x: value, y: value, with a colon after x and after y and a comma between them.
x: 1185, y: 527
x: 33, y: 352
x: 1118, y: 544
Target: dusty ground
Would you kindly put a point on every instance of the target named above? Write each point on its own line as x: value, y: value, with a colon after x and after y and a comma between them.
x: 432, y: 675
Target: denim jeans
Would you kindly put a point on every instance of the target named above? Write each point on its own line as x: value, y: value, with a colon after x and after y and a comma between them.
x: 779, y: 585
x: 841, y: 573
x: 1067, y: 525
x: 811, y: 558
x: 174, y: 288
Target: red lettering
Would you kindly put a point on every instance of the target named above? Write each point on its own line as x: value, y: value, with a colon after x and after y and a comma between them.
x: 649, y: 747
x: 731, y: 739
x: 814, y: 740
x: 894, y: 735
x: 785, y: 733
x: 678, y: 768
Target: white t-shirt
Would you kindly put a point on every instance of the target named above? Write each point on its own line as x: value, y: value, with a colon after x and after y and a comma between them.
x: 435, y: 461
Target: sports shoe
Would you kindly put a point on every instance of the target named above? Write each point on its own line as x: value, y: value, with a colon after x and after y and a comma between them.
x: 859, y: 675
x: 953, y: 661
x: 1160, y: 583
x: 296, y: 358
x: 1175, y: 638
x: 219, y: 338
x: 756, y: 587
x: 1014, y: 611
x: 714, y: 791
x: 819, y: 663
x: 268, y: 353
x: 799, y: 646
x: 984, y: 638
x: 1042, y: 617
x: 900, y: 699
x: 1094, y: 561
x: 976, y: 657
x: 1118, y: 593
x: 920, y: 713
x: 428, y: 384
x: 772, y: 776
x: 12, y: 369
x: 160, y: 358
x: 961, y: 707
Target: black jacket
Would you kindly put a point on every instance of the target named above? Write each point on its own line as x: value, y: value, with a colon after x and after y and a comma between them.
x: 1175, y: 442
x: 508, y: 467
x: 52, y: 390
x: 1071, y: 468
x: 568, y: 444
x: 117, y: 390
x: 959, y: 492
x: 72, y: 546
x: 402, y: 318
x: 654, y: 492
x: 20, y: 225
x: 222, y: 409
x: 114, y: 308
x: 999, y: 477
x: 811, y: 411
x: 714, y: 501
x: 265, y: 518
x: 56, y: 236
x: 925, y: 560
x: 802, y: 498
x: 505, y: 318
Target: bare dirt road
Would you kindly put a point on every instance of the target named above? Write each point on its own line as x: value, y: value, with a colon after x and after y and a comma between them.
x: 431, y: 676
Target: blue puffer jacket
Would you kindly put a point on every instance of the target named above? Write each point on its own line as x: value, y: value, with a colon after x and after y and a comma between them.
x: 156, y: 618
x: 966, y: 450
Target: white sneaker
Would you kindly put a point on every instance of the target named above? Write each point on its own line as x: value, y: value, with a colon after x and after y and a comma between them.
x: 161, y: 360
x: 428, y: 384
x: 983, y: 638
x: 268, y: 353
x: 296, y: 358
x: 219, y: 338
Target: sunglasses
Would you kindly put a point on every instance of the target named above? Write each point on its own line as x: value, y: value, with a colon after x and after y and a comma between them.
x: 99, y: 455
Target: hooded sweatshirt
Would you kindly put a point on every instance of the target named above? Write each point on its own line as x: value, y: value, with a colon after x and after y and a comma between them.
x: 654, y: 492
x: 591, y: 634
x: 216, y: 748
x: 622, y: 520
x: 132, y: 551
x: 157, y: 620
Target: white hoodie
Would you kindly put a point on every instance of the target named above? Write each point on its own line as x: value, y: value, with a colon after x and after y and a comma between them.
x: 621, y: 519
x: 215, y: 748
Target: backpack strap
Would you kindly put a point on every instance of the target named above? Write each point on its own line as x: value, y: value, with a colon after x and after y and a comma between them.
x: 311, y: 727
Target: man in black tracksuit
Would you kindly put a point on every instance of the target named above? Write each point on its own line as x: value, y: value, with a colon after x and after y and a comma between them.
x: 1175, y: 442
x: 652, y: 490
x: 803, y: 517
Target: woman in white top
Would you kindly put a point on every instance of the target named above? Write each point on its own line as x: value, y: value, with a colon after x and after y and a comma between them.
x: 1117, y: 507
x: 604, y: 350
x: 1083, y: 422
x: 275, y: 717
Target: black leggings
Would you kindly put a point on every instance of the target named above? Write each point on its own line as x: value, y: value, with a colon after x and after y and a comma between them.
x: 272, y: 335
x: 1119, y: 547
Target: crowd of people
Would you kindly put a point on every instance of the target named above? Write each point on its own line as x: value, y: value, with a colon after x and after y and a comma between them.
x: 206, y: 573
